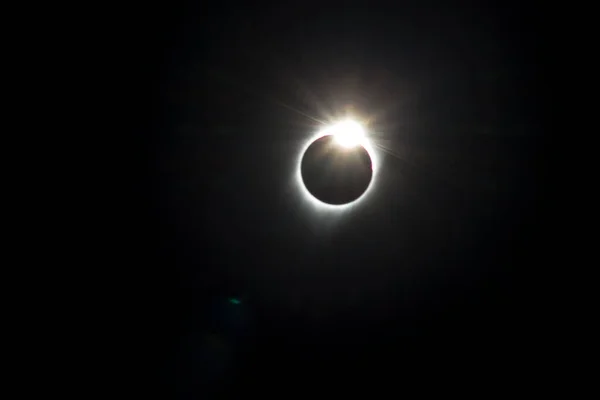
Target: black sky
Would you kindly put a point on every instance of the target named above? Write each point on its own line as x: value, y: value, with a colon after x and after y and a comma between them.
x: 430, y: 272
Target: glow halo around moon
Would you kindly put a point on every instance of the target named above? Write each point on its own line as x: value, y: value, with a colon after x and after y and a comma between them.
x: 348, y: 133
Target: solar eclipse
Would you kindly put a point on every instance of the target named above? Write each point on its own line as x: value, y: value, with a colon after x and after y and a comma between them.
x: 336, y: 168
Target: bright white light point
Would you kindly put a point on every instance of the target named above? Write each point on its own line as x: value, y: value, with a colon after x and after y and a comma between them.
x: 348, y: 133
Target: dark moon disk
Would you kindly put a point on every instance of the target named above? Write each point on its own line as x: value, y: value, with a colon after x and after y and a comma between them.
x: 335, y: 174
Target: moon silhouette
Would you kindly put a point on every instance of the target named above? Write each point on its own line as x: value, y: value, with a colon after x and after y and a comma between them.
x: 336, y: 174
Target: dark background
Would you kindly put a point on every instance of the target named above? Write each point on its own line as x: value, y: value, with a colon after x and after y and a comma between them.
x: 433, y: 276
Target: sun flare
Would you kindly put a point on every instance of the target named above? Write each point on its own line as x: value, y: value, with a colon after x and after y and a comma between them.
x: 348, y: 133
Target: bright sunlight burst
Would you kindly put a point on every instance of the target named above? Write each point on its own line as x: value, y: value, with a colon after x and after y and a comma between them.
x: 348, y: 133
